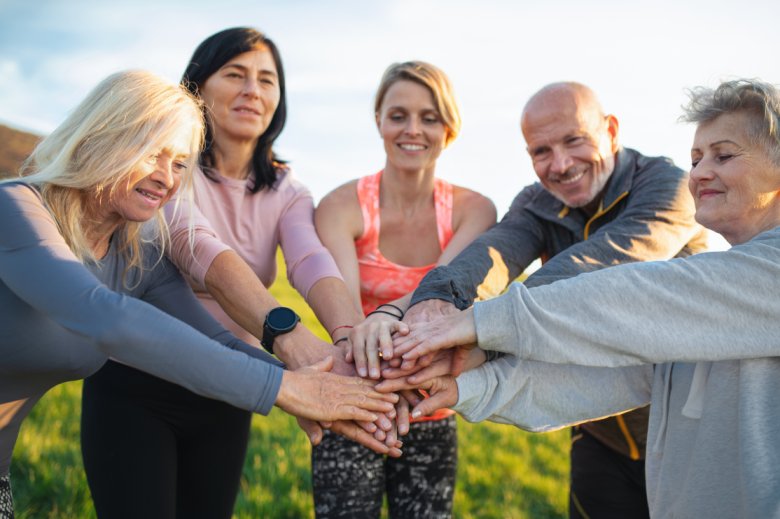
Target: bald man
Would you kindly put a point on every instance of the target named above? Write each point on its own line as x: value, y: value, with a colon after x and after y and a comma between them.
x: 596, y: 204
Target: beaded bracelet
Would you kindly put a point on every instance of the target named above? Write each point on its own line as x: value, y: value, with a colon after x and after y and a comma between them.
x: 377, y: 311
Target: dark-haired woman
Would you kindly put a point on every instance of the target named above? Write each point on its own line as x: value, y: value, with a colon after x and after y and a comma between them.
x: 247, y: 204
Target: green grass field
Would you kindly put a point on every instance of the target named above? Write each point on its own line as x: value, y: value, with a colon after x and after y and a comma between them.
x: 503, y: 472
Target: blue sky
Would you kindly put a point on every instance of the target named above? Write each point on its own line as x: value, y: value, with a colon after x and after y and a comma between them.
x: 638, y: 56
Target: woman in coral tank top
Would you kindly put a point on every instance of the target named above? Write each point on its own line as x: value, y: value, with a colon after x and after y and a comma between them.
x: 386, y: 231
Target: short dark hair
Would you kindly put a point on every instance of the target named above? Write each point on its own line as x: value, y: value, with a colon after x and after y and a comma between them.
x: 760, y: 100
x: 210, y: 56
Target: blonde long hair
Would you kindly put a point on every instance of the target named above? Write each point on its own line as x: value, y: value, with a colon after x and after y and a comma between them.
x: 118, y: 125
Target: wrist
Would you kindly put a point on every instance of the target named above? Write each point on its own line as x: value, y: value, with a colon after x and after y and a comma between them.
x: 298, y: 348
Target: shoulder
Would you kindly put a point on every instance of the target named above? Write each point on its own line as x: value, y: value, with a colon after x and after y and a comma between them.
x: 470, y: 201
x: 531, y: 195
x: 343, y: 196
x: 468, y: 205
x: 21, y: 196
x: 651, y: 165
x: 340, y: 207
x: 18, y: 189
x: 287, y: 182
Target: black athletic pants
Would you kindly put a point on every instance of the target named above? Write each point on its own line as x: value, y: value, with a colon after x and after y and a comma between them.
x: 153, y: 449
x: 604, y: 483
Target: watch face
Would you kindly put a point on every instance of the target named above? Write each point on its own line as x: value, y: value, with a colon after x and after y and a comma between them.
x: 282, y: 318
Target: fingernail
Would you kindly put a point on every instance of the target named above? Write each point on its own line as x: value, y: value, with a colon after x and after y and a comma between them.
x: 374, y: 373
x: 362, y: 372
x: 416, y: 414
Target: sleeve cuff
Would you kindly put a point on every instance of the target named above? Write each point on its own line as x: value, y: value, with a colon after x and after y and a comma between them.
x: 496, y: 325
x: 472, y: 387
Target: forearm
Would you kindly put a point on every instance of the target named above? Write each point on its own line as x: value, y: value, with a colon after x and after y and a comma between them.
x: 245, y: 299
x: 333, y: 306
x: 543, y: 397
x: 484, y: 268
x: 240, y: 293
x: 684, y: 310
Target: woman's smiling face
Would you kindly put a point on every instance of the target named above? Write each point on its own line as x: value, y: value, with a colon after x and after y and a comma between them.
x: 734, y: 183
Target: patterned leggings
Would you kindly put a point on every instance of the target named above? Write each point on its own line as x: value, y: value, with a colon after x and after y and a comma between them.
x: 349, y: 480
x: 6, y: 501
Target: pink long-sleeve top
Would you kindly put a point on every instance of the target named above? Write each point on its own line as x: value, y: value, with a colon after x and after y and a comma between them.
x: 226, y: 215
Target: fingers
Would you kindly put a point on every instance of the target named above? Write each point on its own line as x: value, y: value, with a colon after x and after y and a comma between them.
x: 371, y: 341
x: 312, y: 429
x: 459, y: 358
x: 369, y: 427
x: 384, y: 423
x: 385, y: 345
x: 372, y: 357
x: 436, y: 369
x: 356, y: 433
x: 443, y: 393
x: 394, y: 385
x: 324, y: 365
x: 312, y: 394
x: 402, y: 416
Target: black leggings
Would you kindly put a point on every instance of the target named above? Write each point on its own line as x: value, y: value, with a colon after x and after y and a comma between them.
x: 605, y: 483
x: 153, y: 449
x: 349, y: 480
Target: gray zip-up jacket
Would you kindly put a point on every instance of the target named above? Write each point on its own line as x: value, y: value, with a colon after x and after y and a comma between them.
x: 698, y: 338
x: 61, y: 321
x: 646, y: 214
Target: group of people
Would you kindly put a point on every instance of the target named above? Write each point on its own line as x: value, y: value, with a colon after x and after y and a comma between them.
x: 155, y: 211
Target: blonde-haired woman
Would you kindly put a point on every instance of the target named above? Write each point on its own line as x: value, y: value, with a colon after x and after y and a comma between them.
x: 386, y: 231
x: 82, y: 278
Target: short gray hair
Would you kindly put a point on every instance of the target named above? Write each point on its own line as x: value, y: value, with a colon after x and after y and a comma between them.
x: 760, y: 100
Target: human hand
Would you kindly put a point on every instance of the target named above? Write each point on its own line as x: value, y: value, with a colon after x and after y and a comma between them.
x: 427, y: 338
x: 424, y: 312
x: 442, y: 392
x: 453, y: 361
x: 351, y: 430
x: 314, y: 393
x: 300, y: 348
x: 371, y: 340
x: 429, y: 310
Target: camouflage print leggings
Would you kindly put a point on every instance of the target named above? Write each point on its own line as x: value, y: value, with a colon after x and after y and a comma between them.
x: 349, y: 480
x: 6, y: 501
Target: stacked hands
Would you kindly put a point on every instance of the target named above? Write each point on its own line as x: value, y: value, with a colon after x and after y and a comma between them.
x: 406, y: 369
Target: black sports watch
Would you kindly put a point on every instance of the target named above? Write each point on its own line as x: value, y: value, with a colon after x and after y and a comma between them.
x: 278, y: 321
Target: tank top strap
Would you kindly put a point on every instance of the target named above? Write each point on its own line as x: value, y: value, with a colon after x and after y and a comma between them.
x: 368, y: 198
x: 442, y: 200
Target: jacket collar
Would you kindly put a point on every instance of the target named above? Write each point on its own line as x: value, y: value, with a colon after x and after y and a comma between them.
x: 550, y: 208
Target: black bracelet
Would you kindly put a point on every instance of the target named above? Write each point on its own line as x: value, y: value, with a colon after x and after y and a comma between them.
x: 383, y: 312
x: 345, y: 338
x: 393, y: 306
